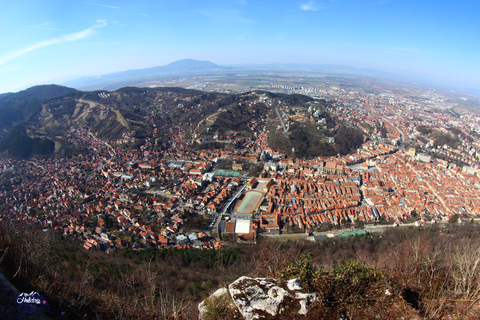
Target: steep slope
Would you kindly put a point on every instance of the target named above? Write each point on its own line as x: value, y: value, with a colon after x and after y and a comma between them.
x: 133, y: 112
x: 18, y: 107
x: 129, y: 116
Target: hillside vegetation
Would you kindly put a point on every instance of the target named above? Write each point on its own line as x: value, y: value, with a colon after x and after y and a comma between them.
x: 19, y: 107
x: 19, y: 144
x: 38, y: 118
x: 411, y: 273
x: 440, y: 138
x: 309, y: 142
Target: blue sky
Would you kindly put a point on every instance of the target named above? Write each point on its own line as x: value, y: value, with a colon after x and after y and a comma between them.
x: 51, y: 41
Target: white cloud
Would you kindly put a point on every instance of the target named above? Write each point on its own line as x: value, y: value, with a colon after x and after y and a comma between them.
x: 38, y: 27
x: 101, y: 5
x: 43, y: 26
x: 46, y: 43
x: 310, y: 6
x: 225, y: 16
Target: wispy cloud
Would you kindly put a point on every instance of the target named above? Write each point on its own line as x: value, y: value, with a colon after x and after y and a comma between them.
x: 242, y: 2
x: 225, y: 15
x: 43, y: 26
x: 46, y: 43
x: 101, y: 5
x: 145, y: 15
x: 410, y: 51
x: 36, y: 27
x: 311, y: 6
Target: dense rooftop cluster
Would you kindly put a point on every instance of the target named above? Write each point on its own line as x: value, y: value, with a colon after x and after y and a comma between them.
x: 174, y: 190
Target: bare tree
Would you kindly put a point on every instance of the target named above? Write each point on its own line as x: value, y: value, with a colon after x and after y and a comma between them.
x: 466, y: 269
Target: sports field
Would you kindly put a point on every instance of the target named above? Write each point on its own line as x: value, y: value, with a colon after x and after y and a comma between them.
x: 250, y: 202
x: 227, y: 173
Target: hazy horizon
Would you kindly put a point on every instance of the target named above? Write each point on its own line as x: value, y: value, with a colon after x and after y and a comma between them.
x: 54, y: 41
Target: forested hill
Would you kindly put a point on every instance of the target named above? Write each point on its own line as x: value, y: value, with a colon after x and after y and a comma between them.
x: 18, y: 107
x: 46, y: 92
x: 44, y: 120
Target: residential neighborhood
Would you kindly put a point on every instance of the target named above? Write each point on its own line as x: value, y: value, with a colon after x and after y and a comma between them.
x: 116, y: 197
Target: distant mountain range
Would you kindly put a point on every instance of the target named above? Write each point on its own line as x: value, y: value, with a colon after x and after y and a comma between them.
x: 190, y: 67
x: 131, y: 77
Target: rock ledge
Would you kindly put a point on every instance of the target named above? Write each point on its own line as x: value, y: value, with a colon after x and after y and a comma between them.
x: 262, y: 298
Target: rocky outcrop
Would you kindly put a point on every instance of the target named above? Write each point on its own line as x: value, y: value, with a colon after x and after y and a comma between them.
x: 261, y: 298
x: 204, y: 306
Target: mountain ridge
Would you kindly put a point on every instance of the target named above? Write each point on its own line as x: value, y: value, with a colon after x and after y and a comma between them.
x: 52, y: 127
x: 16, y: 108
x: 41, y: 92
x: 112, y: 81
x: 130, y: 77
